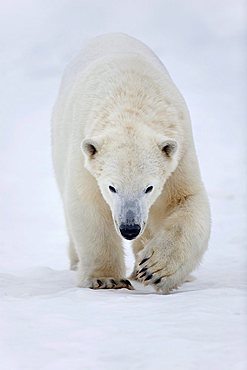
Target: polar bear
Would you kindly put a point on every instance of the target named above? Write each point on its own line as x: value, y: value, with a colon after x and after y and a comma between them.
x: 126, y: 168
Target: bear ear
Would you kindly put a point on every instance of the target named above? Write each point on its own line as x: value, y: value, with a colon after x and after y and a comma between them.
x: 168, y: 147
x: 91, y: 146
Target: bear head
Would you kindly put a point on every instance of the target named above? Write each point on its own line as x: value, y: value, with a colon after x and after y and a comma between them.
x: 131, y: 167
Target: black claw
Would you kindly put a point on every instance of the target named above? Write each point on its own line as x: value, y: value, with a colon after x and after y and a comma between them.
x: 113, y: 282
x: 127, y: 284
x: 143, y: 261
x: 148, y: 277
x: 137, y: 272
x: 157, y: 281
x: 99, y: 282
x: 143, y: 269
x: 142, y: 275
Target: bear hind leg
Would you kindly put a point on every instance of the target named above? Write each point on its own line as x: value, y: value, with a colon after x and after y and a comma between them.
x: 73, y: 256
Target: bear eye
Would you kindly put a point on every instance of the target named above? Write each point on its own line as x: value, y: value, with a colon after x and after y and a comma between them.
x: 112, y: 189
x: 149, y: 189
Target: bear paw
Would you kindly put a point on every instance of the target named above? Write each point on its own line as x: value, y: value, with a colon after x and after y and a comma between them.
x: 164, y: 274
x: 107, y: 283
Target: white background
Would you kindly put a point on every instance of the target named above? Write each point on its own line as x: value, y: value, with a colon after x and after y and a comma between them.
x: 45, y: 321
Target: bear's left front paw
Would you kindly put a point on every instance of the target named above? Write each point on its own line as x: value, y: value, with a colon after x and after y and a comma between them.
x: 158, y: 270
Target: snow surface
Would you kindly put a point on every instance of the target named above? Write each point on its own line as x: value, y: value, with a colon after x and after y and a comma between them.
x: 46, y: 322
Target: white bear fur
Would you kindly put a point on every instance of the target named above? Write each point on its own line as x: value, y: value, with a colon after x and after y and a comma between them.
x: 119, y: 96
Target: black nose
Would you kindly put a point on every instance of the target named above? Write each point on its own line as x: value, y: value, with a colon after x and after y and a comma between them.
x: 130, y: 232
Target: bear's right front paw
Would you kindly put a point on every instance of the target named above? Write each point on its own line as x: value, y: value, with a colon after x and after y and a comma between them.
x: 106, y: 283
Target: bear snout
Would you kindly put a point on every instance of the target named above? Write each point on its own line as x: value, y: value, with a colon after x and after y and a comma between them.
x: 129, y: 232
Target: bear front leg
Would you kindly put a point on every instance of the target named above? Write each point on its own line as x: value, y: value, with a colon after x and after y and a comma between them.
x: 101, y: 259
x: 177, y: 249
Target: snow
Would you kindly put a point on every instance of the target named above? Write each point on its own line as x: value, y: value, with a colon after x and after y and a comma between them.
x: 48, y: 323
